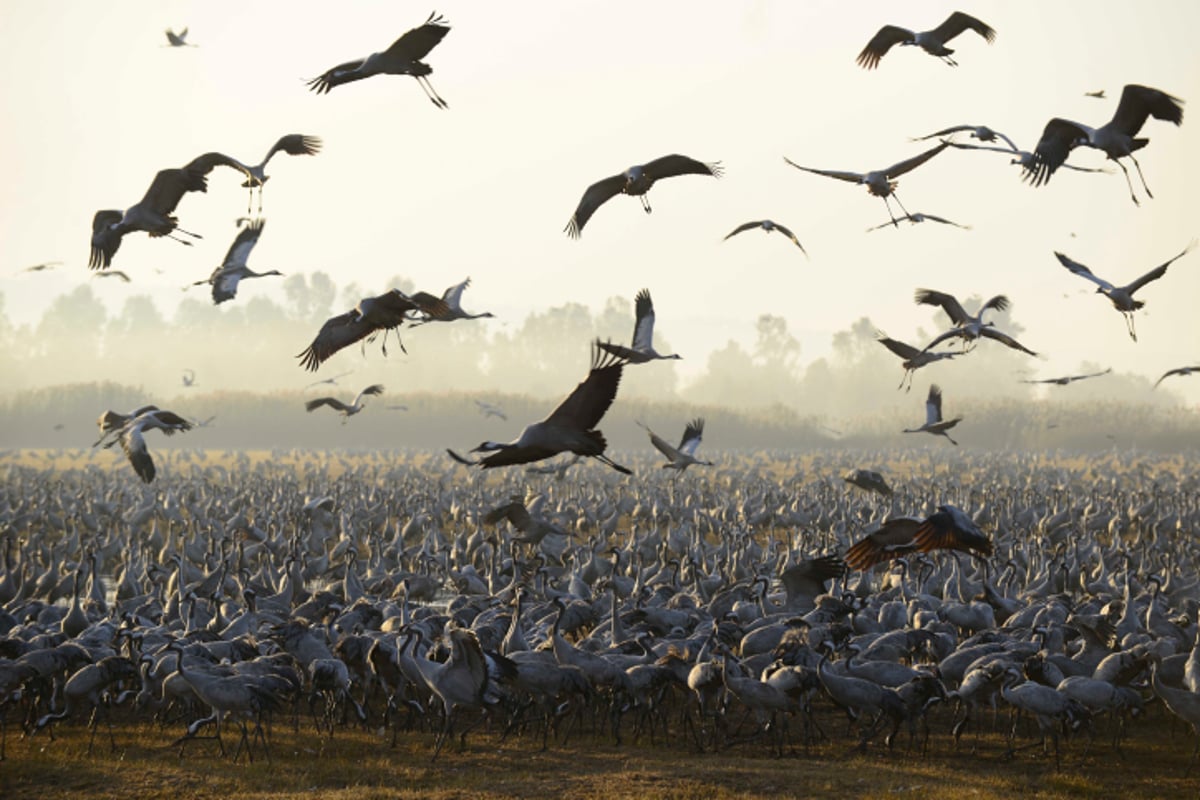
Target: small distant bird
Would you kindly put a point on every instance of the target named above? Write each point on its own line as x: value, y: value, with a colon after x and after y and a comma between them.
x: 683, y: 456
x: 112, y: 273
x: 178, y: 39
x: 966, y: 327
x: 387, y: 312
x: 189, y: 378
x: 933, y: 416
x: 881, y: 182
x: 918, y: 218
x: 331, y: 381
x: 45, y: 265
x: 154, y: 212
x: 981, y: 132
x: 1177, y: 371
x: 948, y: 528
x: 635, y: 181
x: 491, y: 410
x: 133, y: 442
x: 642, y: 349
x: 768, y: 226
x: 294, y: 144
x: 402, y: 58
x: 1115, y: 138
x: 345, y: 410
x: 1098, y: 94
x: 233, y: 270
x: 452, y: 297
x: 868, y: 479
x: 1122, y: 296
x: 570, y: 427
x: 204, y: 423
x: 932, y: 41
x: 1063, y: 381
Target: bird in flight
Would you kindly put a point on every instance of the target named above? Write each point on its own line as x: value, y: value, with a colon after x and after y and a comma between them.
x: 635, y: 181
x: 294, y: 144
x: 403, y: 57
x: 387, y: 312
x: 948, y: 528
x: 452, y: 297
x: 914, y: 359
x: 346, y: 411
x: 491, y: 410
x: 133, y: 442
x: 1115, y: 138
x: 880, y: 183
x: 768, y: 226
x: 931, y: 41
x: 189, y: 378
x: 1064, y: 380
x: 570, y: 427
x: 112, y: 273
x: 683, y: 456
x: 178, y: 39
x: 642, y: 349
x: 981, y: 132
x: 966, y: 327
x: 225, y: 278
x: 1177, y: 371
x: 919, y: 218
x: 1122, y: 296
x: 869, y: 480
x: 45, y: 265
x: 1098, y: 94
x: 1024, y: 158
x: 933, y: 416
x: 154, y: 212
x: 331, y: 380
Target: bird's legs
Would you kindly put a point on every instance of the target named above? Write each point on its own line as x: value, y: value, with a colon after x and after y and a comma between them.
x: 1138, y: 167
x: 1129, y: 326
x: 1128, y: 182
x: 431, y: 93
x: 902, y: 208
x: 645, y: 203
x: 603, y: 459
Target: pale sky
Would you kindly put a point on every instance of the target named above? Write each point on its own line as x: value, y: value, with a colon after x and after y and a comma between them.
x: 546, y: 98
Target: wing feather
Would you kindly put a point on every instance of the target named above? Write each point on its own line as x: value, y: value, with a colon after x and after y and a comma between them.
x: 880, y: 43
x: 596, y: 195
x: 584, y: 407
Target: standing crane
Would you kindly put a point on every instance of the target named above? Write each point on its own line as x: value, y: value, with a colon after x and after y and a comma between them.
x: 881, y: 182
x: 933, y: 416
x: 402, y: 58
x: 642, y: 347
x: 931, y: 41
x: 233, y: 270
x: 1115, y: 137
x: 571, y: 426
x: 635, y: 181
x: 1122, y: 296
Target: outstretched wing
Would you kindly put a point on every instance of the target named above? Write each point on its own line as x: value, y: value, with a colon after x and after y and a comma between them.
x: 416, y: 43
x: 643, y: 323
x: 692, y: 434
x: 586, y: 405
x: 373, y: 389
x: 1059, y: 138
x: 948, y: 302
x: 295, y: 144
x: 902, y: 349
x: 912, y: 163
x: 660, y: 444
x: 243, y: 243
x: 596, y: 195
x: 851, y: 177
x: 336, y: 76
x: 453, y: 295
x: 786, y: 232
x: 1157, y: 272
x: 958, y: 22
x: 332, y: 402
x: 893, y: 539
x: 1004, y: 338
x: 675, y: 164
x: 105, y: 239
x: 200, y: 166
x: 1082, y: 271
x: 997, y: 303
x: 1138, y: 102
x: 933, y: 405
x: 745, y: 226
x: 338, y: 332
x: 134, y: 445
x: 515, y: 512
x: 224, y: 284
x: 951, y: 529
x: 880, y: 43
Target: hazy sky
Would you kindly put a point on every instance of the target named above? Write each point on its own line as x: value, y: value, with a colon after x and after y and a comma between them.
x: 547, y: 97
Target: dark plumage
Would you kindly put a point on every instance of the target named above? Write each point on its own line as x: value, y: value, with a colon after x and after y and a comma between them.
x: 386, y: 312
x: 636, y: 180
x: 932, y: 41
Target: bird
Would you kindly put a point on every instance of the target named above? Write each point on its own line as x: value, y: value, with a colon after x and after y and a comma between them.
x: 452, y: 297
x: 45, y: 265
x: 881, y: 182
x: 178, y: 39
x: 1023, y: 158
x: 642, y: 347
x: 569, y: 427
x: 345, y: 410
x: 403, y: 57
x: 894, y: 538
x: 913, y: 359
x: 491, y: 410
x: 294, y: 144
x: 1115, y: 138
x: 111, y: 422
x: 931, y: 41
x: 949, y: 528
x: 233, y: 270
x: 153, y: 213
x: 933, y: 416
x: 1177, y: 371
x: 919, y: 217
x: 385, y: 313
x: 112, y: 273
x: 1098, y: 94
x: 768, y: 226
x: 1063, y: 381
x: 189, y: 378
x: 133, y: 442
x: 1122, y: 296
x: 332, y: 381
x: 981, y: 132
x: 635, y: 181
x: 868, y: 479
x: 968, y: 328
x: 685, y: 455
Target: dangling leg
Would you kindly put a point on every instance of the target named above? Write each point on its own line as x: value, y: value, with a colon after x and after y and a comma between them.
x: 902, y: 208
x: 888, y: 206
x: 177, y: 239
x: 1129, y: 326
x: 1128, y: 182
x: 432, y: 93
x: 1140, y: 175
x: 645, y: 203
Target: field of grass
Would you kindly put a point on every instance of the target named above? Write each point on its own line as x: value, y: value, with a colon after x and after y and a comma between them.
x: 360, y: 765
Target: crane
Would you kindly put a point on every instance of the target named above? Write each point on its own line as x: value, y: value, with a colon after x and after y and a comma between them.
x: 931, y: 41
x: 385, y: 313
x: 768, y: 226
x: 1177, y: 371
x: 635, y: 181
x: 346, y: 411
x: 914, y: 359
x: 1064, y: 380
x: 134, y: 443
x: 966, y: 327
x: 294, y: 144
x: 933, y: 416
x: 233, y: 270
x: 685, y: 455
x: 642, y: 347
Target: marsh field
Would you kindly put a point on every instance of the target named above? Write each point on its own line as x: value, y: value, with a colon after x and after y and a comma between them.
x: 357, y: 565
